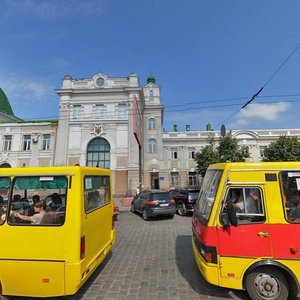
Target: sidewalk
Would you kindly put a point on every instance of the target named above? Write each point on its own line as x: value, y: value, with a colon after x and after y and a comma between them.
x: 123, y: 203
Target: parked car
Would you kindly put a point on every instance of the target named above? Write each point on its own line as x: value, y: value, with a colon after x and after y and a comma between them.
x: 185, y: 200
x: 152, y: 203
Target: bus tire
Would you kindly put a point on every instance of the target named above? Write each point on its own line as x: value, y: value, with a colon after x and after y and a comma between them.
x: 267, y: 283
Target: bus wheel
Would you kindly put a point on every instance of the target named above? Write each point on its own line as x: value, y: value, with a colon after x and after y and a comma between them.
x: 267, y: 284
x: 145, y: 215
x: 180, y: 209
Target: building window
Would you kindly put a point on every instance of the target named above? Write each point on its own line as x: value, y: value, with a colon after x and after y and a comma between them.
x: 122, y: 110
x: 152, y: 146
x: 46, y: 141
x: 174, y: 178
x: 192, y: 179
x: 98, y: 153
x: 100, y: 111
x: 262, y: 151
x: 7, y: 142
x: 191, y: 153
x: 174, y: 153
x: 151, y: 124
x: 27, y: 142
x: 151, y: 93
x: 77, y: 111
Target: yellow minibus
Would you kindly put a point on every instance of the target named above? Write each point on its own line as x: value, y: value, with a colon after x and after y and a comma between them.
x: 56, y: 227
x: 245, y: 228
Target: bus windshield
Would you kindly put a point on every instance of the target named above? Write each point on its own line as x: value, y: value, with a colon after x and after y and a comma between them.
x: 207, y: 195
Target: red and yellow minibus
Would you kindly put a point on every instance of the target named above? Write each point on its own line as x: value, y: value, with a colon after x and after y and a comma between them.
x: 56, y: 227
x: 246, y: 227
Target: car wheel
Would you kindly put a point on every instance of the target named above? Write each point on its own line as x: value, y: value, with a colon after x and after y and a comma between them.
x: 180, y: 209
x: 132, y: 209
x: 171, y: 216
x: 145, y: 215
x: 267, y: 283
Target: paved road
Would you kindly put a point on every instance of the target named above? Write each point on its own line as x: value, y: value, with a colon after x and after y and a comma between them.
x: 152, y: 260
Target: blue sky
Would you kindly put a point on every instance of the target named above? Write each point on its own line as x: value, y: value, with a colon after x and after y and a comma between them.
x: 208, y: 56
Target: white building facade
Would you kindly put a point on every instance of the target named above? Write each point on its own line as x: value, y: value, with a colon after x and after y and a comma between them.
x: 98, y: 126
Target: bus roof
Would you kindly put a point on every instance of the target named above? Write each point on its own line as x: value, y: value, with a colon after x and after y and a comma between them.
x: 256, y: 165
x: 57, y: 170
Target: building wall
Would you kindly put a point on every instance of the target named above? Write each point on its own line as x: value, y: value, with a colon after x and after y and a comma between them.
x: 100, y: 108
x: 34, y: 154
x: 167, y: 163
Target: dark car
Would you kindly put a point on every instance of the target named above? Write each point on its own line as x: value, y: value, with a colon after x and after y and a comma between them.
x: 152, y: 203
x: 185, y: 200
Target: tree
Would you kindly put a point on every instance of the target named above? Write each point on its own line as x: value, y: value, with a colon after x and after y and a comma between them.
x: 286, y: 148
x: 204, y: 158
x: 227, y: 150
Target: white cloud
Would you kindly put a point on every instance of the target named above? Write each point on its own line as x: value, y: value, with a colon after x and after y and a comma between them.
x: 259, y: 112
x: 254, y: 115
x: 54, y: 9
x: 26, y: 90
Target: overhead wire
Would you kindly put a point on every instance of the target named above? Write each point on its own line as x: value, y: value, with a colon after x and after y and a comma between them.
x: 267, y: 82
x: 168, y: 109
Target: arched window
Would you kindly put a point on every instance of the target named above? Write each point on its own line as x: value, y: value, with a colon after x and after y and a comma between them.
x: 98, y: 153
x: 152, y: 146
x: 5, y: 165
x: 151, y: 93
x: 151, y: 124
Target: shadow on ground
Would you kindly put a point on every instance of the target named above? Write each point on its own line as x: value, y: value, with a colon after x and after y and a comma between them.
x: 188, y: 268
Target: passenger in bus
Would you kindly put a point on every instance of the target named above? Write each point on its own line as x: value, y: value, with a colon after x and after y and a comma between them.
x: 237, y: 200
x: 16, y: 198
x: 293, y: 206
x: 40, y: 209
x: 2, y: 203
x: 56, y: 201
x: 35, y: 199
x: 3, y: 208
x: 252, y: 201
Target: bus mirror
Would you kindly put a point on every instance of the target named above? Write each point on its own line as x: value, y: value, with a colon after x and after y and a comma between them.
x: 228, y: 216
x: 232, y: 214
x: 225, y: 220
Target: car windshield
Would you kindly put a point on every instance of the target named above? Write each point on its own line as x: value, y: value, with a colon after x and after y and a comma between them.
x: 194, y: 194
x: 161, y: 196
x: 207, y: 195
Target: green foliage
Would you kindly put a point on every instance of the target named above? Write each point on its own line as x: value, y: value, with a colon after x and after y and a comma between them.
x: 286, y: 148
x: 227, y: 150
x: 204, y: 158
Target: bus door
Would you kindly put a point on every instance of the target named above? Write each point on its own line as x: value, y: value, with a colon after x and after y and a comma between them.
x: 250, y: 238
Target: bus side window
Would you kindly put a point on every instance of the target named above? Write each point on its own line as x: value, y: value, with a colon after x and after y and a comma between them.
x: 97, y: 192
x: 248, y: 203
x: 290, y: 184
